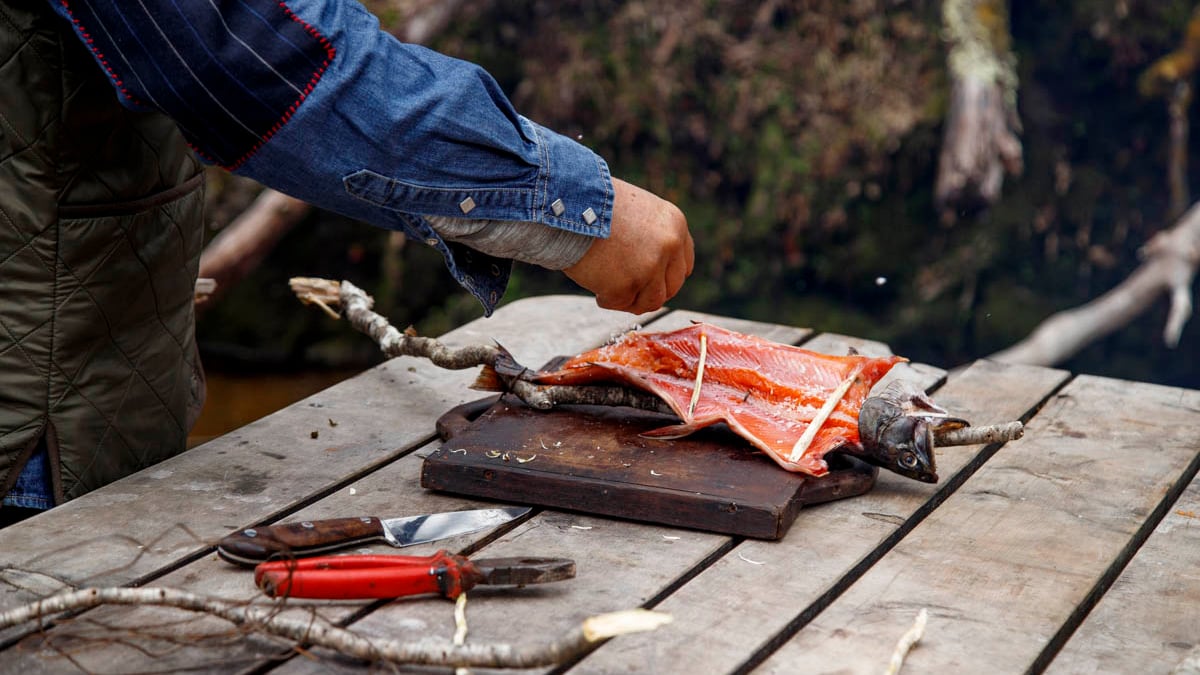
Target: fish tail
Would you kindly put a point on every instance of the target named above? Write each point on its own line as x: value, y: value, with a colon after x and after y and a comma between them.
x: 488, y: 380
x: 498, y: 376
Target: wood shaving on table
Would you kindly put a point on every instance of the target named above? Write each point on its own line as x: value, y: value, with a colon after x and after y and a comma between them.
x: 460, y: 628
x: 752, y: 562
x: 581, y: 527
x: 907, y: 641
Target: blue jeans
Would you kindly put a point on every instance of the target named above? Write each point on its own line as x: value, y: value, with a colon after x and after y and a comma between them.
x: 33, y: 490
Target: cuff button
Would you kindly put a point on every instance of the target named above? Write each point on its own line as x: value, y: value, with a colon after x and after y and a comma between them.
x: 467, y: 205
x: 557, y: 207
x: 589, y: 216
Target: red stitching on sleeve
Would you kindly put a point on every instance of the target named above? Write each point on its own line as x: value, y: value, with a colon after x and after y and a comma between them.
x: 330, y: 53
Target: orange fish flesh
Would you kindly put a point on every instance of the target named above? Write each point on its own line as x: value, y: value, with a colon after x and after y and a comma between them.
x: 766, y: 392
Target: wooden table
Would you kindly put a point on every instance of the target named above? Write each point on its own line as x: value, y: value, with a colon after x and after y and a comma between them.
x: 1073, y: 550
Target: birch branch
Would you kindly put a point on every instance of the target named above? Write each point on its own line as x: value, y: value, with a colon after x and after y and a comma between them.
x: 334, y: 297
x: 317, y: 632
x: 1170, y: 261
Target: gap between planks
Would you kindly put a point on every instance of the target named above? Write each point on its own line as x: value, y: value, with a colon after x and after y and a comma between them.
x: 1110, y: 575
x: 805, y: 616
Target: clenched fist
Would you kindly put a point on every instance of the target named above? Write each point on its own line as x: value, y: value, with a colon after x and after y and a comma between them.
x: 646, y: 257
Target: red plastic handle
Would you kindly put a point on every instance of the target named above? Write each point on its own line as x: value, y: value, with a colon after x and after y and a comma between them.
x: 364, y: 576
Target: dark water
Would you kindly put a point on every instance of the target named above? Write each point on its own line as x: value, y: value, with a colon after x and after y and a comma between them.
x: 237, y: 399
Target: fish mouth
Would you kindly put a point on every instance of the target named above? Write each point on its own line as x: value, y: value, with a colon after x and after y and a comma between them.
x: 923, y: 476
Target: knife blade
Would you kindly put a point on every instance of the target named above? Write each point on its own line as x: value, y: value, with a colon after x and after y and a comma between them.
x: 251, y: 546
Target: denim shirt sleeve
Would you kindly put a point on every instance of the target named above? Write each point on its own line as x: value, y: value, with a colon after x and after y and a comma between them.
x: 311, y: 98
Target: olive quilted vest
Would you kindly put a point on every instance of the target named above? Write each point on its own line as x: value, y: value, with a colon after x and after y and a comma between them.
x: 100, y: 235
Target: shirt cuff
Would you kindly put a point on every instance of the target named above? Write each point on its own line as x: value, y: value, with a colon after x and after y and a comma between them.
x: 575, y: 186
x: 533, y: 243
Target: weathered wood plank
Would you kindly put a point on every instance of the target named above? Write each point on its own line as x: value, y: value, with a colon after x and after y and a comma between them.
x: 1147, y: 620
x: 759, y: 589
x: 161, y: 516
x: 1003, y: 564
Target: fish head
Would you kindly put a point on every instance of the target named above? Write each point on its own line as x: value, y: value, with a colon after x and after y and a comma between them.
x: 896, y: 431
x: 903, y: 445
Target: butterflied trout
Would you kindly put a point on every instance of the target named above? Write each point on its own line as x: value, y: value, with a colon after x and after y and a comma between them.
x: 769, y: 393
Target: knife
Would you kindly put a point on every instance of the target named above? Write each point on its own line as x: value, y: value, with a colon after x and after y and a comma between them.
x: 254, y: 545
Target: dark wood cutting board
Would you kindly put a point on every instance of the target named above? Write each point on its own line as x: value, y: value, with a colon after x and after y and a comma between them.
x: 592, y: 459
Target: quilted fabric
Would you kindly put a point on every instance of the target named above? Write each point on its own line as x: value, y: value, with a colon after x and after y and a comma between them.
x: 100, y: 233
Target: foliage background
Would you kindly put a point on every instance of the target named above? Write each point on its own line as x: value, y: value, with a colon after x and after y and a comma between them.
x: 801, y: 139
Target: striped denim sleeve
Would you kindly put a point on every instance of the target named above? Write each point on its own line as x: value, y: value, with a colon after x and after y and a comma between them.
x: 229, y: 75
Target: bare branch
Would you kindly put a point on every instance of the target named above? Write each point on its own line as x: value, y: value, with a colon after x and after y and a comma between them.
x: 241, y: 246
x: 1170, y: 260
x: 318, y: 632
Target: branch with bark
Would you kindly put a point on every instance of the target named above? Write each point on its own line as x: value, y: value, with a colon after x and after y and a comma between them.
x: 314, y: 631
x: 333, y: 296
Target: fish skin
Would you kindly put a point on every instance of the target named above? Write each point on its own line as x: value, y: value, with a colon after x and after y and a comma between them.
x: 766, y: 392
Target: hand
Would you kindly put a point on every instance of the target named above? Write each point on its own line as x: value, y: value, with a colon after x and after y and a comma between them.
x: 646, y: 257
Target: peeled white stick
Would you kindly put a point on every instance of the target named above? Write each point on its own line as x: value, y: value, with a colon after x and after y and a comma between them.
x: 823, y: 414
x: 460, y: 628
x: 699, y: 375
x: 907, y: 641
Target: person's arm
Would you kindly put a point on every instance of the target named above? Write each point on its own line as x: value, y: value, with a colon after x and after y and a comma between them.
x: 311, y: 98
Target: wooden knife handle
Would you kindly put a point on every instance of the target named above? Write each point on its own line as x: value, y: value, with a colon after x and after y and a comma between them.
x: 257, y: 544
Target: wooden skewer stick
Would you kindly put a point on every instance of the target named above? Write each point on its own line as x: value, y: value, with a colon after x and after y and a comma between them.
x: 992, y: 433
x: 699, y: 376
x: 823, y: 414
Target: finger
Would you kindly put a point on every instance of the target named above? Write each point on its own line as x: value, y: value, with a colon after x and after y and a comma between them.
x: 690, y: 254
x: 623, y: 299
x: 675, y: 276
x: 653, y: 296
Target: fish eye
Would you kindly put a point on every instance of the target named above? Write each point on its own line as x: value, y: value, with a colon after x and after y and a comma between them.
x: 908, y: 460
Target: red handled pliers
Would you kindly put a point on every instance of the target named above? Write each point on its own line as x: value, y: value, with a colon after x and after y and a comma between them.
x: 347, y: 577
